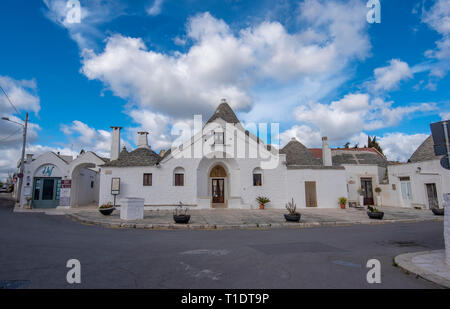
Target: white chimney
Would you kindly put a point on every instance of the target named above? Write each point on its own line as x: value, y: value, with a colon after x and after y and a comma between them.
x: 115, y: 143
x: 326, y: 152
x: 143, y: 141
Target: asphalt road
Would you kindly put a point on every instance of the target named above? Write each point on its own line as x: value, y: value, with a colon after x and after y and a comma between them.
x: 34, y: 249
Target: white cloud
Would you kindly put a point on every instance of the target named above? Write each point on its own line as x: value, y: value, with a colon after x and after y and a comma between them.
x: 343, y: 119
x: 305, y: 134
x: 438, y: 18
x: 445, y: 115
x: 156, y: 124
x: 93, y: 14
x: 155, y: 8
x: 22, y: 93
x: 389, y: 77
x: 400, y: 146
x: 225, y: 63
x: 81, y: 136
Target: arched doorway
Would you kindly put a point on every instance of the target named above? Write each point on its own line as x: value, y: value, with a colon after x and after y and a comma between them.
x: 218, y: 183
x: 85, y: 185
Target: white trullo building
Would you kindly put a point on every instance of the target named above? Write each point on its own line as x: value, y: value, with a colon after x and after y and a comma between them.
x: 221, y: 165
x: 224, y: 166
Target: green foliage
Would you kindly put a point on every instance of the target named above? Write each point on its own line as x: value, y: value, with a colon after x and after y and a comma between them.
x: 262, y: 200
x: 342, y: 200
x: 292, y: 208
x: 372, y: 143
x: 347, y: 145
x: 372, y: 209
x: 378, y: 190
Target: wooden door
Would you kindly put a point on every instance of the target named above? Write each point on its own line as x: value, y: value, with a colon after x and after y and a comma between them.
x: 366, y: 186
x: 432, y: 195
x: 218, y: 190
x: 310, y: 194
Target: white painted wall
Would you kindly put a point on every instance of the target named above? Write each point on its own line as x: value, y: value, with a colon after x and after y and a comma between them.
x: 430, y: 172
x: 330, y: 186
x: 354, y: 173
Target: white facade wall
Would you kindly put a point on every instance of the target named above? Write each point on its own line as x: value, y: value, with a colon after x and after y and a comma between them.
x: 420, y: 174
x: 354, y: 173
x: 162, y: 192
x: 84, y: 169
x: 330, y: 186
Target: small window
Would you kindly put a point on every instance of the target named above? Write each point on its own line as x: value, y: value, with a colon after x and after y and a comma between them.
x: 179, y: 180
x: 147, y: 179
x: 92, y: 184
x: 404, y: 178
x: 257, y: 180
x: 257, y: 177
x: 218, y: 138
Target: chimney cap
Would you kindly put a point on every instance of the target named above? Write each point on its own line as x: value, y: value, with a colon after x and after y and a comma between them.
x: 324, y: 138
x: 223, y: 100
x: 114, y: 127
x: 142, y: 133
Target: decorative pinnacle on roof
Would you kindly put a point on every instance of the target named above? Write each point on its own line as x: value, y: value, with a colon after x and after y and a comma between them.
x: 225, y: 112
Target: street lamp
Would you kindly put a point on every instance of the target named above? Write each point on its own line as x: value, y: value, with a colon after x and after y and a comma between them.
x: 19, y: 188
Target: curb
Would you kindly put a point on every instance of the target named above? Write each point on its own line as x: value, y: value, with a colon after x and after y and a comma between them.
x: 256, y: 226
x: 404, y: 262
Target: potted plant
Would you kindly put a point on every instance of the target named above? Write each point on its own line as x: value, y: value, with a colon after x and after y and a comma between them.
x: 342, y: 202
x: 378, y: 191
x: 438, y: 211
x: 262, y: 201
x: 293, y: 215
x: 180, y: 215
x: 106, y: 209
x: 361, y: 196
x: 28, y: 198
x: 374, y: 213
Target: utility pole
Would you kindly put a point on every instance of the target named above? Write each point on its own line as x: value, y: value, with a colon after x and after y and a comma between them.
x: 22, y: 160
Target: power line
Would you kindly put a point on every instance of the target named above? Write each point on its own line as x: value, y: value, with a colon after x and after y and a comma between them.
x: 17, y: 112
x: 4, y: 139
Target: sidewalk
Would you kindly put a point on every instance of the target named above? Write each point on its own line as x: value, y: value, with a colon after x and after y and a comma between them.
x: 251, y: 219
x: 429, y: 265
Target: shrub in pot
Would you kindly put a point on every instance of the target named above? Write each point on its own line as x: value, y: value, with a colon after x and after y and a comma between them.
x: 378, y: 191
x: 361, y: 196
x: 342, y: 202
x: 262, y: 200
x: 293, y: 215
x: 374, y: 213
x: 180, y: 215
x: 106, y: 209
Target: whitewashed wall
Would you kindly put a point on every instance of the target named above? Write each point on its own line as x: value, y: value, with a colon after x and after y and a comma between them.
x: 430, y: 172
x: 354, y: 173
x: 330, y: 186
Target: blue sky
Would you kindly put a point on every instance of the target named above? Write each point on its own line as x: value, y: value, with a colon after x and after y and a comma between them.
x: 316, y: 67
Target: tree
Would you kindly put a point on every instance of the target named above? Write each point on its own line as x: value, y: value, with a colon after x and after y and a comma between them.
x: 347, y: 145
x: 372, y: 143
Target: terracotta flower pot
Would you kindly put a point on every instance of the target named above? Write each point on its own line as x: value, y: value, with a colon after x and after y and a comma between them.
x: 342, y: 206
x: 261, y: 206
